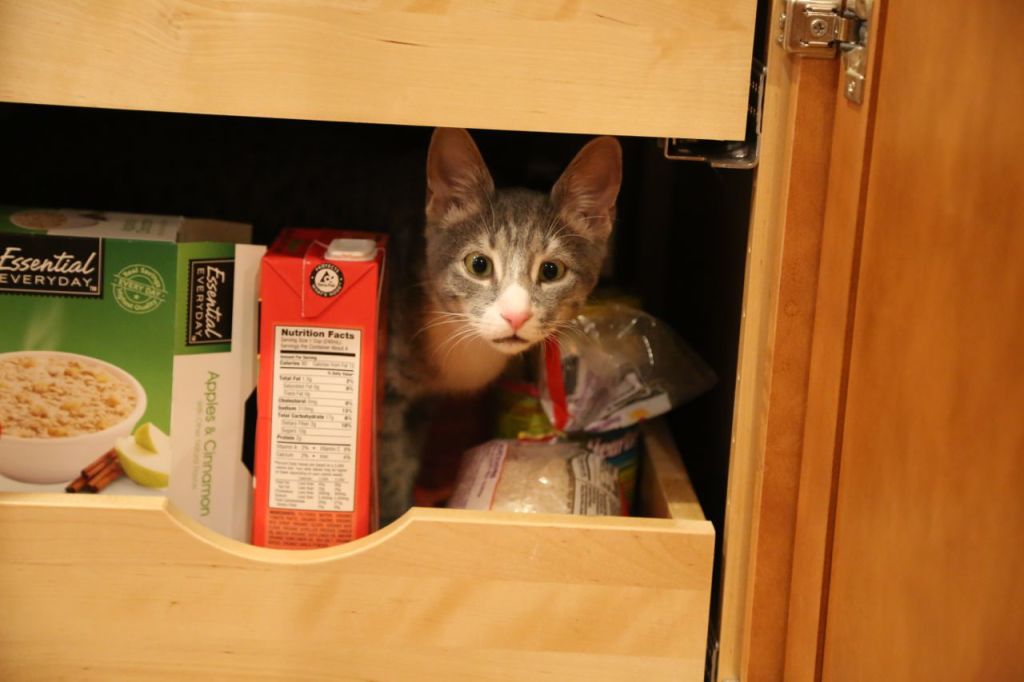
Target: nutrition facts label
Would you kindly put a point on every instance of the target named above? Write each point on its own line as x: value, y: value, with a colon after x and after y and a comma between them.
x: 315, y: 413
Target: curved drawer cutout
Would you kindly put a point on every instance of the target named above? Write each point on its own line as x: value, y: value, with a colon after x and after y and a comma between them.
x: 129, y: 588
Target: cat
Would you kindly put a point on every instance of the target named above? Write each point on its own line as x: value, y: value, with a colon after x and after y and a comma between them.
x: 493, y: 273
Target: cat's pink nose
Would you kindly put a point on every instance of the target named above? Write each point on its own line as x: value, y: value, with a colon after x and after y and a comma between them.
x: 516, y: 319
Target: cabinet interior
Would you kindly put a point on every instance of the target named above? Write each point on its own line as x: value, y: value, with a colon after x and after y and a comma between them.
x: 680, y: 242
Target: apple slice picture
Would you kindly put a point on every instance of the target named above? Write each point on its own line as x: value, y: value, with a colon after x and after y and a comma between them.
x: 146, y: 456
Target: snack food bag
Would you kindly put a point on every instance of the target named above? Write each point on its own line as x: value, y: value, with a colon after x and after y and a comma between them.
x: 622, y: 449
x: 618, y: 367
x: 521, y: 416
x: 545, y: 478
x: 615, y: 367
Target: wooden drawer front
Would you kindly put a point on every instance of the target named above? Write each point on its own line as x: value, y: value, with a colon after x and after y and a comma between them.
x: 653, y: 68
x: 128, y: 588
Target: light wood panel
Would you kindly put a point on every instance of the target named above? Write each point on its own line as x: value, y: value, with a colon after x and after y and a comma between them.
x: 649, y: 67
x: 781, y: 280
x: 840, y: 248
x: 664, y: 484
x: 774, y: 512
x: 926, y: 561
x: 100, y: 588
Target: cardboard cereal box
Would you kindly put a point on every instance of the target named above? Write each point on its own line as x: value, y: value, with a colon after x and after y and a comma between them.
x: 320, y: 335
x: 127, y: 353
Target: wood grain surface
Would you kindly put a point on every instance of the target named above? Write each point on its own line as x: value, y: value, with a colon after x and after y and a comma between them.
x: 775, y: 336
x: 101, y: 588
x: 929, y: 520
x: 648, y: 67
x: 849, y: 160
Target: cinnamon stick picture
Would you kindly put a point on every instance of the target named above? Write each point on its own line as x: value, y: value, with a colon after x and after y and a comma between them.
x: 97, y: 475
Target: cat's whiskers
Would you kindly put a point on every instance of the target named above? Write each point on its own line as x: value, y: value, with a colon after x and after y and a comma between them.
x: 564, y: 329
x: 461, y: 317
x: 435, y: 315
x: 563, y: 232
x: 466, y: 329
x: 566, y: 232
x: 449, y: 313
x: 552, y: 223
x: 492, y: 227
x: 453, y: 341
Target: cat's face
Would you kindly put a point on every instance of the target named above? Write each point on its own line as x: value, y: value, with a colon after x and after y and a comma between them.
x: 512, y: 266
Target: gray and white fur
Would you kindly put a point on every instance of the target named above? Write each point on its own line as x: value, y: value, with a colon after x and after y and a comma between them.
x: 496, y: 272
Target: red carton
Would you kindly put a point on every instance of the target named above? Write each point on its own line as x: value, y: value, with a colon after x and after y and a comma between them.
x: 320, y: 332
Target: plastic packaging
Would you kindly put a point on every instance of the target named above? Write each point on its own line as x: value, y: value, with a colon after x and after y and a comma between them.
x: 623, y: 449
x: 616, y: 366
x: 519, y: 414
x: 551, y: 478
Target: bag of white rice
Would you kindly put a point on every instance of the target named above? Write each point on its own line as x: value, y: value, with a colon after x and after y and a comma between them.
x: 545, y: 478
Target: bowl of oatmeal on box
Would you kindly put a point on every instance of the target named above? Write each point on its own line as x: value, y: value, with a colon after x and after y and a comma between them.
x: 60, y: 411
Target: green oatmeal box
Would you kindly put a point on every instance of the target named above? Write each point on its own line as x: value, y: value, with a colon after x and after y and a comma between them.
x: 127, y: 354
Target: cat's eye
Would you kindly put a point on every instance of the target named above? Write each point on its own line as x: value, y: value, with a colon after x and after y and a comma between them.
x: 552, y: 270
x: 478, y: 265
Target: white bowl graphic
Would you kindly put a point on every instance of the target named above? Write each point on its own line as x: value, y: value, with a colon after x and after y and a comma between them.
x: 61, y: 459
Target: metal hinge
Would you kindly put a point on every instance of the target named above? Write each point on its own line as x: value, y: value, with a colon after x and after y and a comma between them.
x: 823, y: 28
x: 740, y: 154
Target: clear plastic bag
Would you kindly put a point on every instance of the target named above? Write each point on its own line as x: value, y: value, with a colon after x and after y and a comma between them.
x: 546, y: 478
x: 616, y: 366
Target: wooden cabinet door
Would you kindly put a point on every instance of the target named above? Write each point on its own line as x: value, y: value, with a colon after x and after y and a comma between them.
x: 926, y: 579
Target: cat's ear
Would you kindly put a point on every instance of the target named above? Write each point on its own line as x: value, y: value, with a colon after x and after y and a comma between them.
x: 458, y: 182
x: 585, y: 194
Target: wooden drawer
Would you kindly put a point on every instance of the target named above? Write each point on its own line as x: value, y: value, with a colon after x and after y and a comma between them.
x: 654, y: 68
x: 128, y: 588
